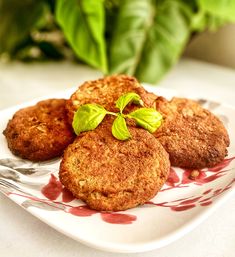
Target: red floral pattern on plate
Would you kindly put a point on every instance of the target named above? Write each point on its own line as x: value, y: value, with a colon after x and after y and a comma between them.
x: 202, y: 177
x: 54, y: 191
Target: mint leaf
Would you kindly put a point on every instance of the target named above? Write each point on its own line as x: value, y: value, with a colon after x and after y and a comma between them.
x: 124, y: 100
x: 119, y: 129
x: 147, y: 118
x: 83, y: 24
x: 88, y: 117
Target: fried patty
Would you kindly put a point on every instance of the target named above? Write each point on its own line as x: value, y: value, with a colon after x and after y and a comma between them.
x: 106, y: 91
x: 193, y: 136
x: 40, y: 132
x: 113, y: 175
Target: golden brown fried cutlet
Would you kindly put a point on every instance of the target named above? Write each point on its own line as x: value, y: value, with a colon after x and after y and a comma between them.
x: 40, y: 132
x: 193, y: 136
x: 106, y: 91
x: 113, y: 175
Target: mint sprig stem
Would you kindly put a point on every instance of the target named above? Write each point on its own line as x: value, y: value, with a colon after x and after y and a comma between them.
x: 89, y: 116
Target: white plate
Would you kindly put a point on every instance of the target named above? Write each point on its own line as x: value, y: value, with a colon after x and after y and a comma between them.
x: 181, y: 205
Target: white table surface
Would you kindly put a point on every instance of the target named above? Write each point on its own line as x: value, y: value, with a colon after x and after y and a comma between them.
x: 23, y: 235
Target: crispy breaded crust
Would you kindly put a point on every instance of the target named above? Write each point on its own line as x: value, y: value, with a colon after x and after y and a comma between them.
x: 113, y: 175
x: 40, y: 132
x: 105, y: 92
x: 193, y: 136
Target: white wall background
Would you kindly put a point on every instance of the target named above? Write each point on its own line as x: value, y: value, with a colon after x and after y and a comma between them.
x: 216, y: 47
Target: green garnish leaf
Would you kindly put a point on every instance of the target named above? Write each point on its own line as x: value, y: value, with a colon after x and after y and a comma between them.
x: 119, y: 129
x: 125, y: 99
x: 147, y: 118
x: 88, y: 117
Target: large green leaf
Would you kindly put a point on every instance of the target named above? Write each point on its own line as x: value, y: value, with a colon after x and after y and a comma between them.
x: 224, y: 9
x: 17, y: 18
x: 149, y: 37
x: 83, y: 24
x: 129, y: 35
x: 166, y: 40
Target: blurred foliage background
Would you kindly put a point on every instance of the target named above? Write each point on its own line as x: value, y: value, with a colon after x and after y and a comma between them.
x: 144, y: 38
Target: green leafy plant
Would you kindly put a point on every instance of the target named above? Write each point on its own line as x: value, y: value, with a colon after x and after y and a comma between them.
x: 83, y: 25
x: 144, y: 38
x: 89, y: 116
